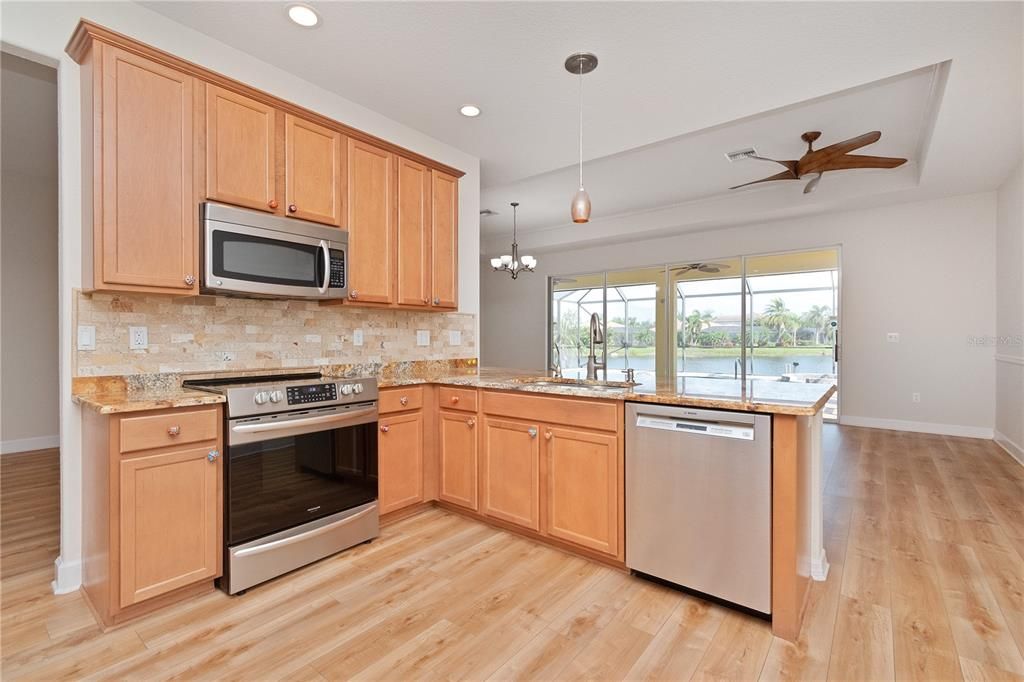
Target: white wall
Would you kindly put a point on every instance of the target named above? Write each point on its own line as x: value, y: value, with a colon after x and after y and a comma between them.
x: 925, y: 270
x: 28, y: 290
x: 1010, y: 315
x: 41, y: 31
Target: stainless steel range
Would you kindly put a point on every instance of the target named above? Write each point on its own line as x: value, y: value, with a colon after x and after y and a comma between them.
x: 300, y: 471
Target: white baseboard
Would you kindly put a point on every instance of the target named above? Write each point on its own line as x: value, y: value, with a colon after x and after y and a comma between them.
x: 8, y: 447
x: 919, y: 427
x: 67, y: 576
x: 819, y: 567
x: 1015, y: 450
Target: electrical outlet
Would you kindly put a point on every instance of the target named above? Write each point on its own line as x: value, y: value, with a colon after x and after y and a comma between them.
x: 892, y: 337
x: 86, y: 337
x: 357, y: 337
x: 422, y: 337
x: 138, y: 338
x: 454, y: 337
x: 915, y: 397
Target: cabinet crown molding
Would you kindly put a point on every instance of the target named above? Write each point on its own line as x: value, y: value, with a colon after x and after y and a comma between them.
x: 87, y: 31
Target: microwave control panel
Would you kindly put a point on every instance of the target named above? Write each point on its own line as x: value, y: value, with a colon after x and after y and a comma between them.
x: 337, y: 271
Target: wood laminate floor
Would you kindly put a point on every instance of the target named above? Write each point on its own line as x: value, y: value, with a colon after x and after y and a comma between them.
x: 925, y: 536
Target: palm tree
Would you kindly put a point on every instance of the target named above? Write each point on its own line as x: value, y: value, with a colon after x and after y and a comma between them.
x: 696, y: 323
x: 817, y: 319
x: 780, y: 318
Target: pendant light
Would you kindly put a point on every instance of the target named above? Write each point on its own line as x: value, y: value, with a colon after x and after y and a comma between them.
x: 579, y: 64
x: 512, y: 264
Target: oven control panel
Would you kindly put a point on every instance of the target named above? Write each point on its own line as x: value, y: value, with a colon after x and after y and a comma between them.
x: 312, y: 393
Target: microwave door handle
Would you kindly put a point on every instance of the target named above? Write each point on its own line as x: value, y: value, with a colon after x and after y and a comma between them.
x: 327, y: 267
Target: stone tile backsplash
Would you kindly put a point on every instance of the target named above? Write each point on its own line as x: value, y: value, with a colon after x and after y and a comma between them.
x: 210, y: 333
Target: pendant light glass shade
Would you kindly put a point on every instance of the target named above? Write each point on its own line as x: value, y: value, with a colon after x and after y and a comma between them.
x: 515, y: 264
x: 581, y: 206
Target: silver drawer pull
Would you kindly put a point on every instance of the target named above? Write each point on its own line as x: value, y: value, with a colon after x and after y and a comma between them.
x: 212, y: 455
x: 173, y: 430
x: 532, y: 431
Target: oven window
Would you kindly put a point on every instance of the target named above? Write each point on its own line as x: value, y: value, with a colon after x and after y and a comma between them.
x: 283, y: 482
x: 272, y: 261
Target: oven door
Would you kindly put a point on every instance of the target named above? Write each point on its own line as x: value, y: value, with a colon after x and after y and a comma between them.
x: 261, y: 262
x: 284, y: 470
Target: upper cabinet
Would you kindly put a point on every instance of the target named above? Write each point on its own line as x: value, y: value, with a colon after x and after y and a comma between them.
x: 168, y: 134
x: 314, y: 171
x: 444, y: 247
x: 371, y: 220
x: 145, y: 221
x: 240, y: 165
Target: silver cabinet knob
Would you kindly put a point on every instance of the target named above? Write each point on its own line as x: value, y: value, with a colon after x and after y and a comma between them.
x: 548, y: 435
x: 190, y: 279
x: 173, y: 430
x: 384, y: 428
x: 471, y: 422
x: 212, y: 455
x: 532, y: 431
x: 403, y: 400
x: 437, y: 301
x: 353, y: 294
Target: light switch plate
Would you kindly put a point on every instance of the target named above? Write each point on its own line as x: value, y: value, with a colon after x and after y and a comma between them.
x: 138, y: 338
x: 892, y: 337
x: 454, y: 337
x: 86, y: 337
x: 357, y: 337
x: 422, y: 337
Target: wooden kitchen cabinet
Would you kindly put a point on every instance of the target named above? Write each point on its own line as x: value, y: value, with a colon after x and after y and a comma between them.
x: 152, y: 491
x: 457, y: 451
x: 314, y: 171
x: 413, y: 234
x: 240, y: 156
x: 583, y: 483
x: 371, y: 215
x: 400, y: 461
x: 139, y: 175
x: 444, y: 240
x: 169, y: 516
x: 510, y: 471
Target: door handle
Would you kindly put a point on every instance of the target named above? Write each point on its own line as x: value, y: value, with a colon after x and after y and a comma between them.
x: 532, y: 431
x: 326, y: 252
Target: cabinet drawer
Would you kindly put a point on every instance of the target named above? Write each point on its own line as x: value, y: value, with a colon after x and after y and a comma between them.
x: 174, y: 427
x: 579, y: 412
x: 457, y: 398
x: 400, y: 399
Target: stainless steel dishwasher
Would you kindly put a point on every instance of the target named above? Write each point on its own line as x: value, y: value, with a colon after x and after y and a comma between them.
x: 699, y: 500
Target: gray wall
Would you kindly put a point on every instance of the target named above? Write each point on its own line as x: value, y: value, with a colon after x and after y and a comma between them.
x: 28, y: 250
x: 1010, y: 314
x: 923, y: 269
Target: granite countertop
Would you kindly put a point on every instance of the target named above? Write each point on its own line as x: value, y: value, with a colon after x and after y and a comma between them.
x: 753, y: 395
x: 114, y: 395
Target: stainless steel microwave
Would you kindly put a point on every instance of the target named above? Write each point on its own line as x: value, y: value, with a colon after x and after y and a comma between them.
x: 249, y: 253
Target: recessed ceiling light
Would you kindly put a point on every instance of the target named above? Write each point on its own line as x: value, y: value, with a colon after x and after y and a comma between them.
x: 470, y: 110
x: 303, y: 15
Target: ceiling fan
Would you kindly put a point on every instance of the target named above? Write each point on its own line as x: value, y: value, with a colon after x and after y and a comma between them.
x: 831, y: 158
x: 709, y: 268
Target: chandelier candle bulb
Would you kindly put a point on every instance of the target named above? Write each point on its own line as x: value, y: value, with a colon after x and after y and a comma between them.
x: 513, y: 264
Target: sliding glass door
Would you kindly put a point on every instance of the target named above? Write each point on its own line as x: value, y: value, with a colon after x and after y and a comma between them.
x: 708, y: 310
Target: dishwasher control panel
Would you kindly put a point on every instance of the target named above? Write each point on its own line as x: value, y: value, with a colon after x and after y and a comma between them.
x: 708, y: 428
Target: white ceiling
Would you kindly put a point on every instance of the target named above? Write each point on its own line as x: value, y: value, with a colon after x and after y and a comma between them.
x: 671, y: 73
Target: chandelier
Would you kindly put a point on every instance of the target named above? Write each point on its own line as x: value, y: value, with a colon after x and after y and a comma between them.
x: 513, y: 264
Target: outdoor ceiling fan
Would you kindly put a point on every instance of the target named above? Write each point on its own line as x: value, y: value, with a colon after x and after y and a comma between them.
x: 831, y: 158
x: 701, y: 267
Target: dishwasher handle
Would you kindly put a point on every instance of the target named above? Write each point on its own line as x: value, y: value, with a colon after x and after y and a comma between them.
x: 715, y: 429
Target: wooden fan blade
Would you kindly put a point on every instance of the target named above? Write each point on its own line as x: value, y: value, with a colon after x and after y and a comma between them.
x: 784, y: 175
x: 851, y: 161
x: 812, y: 162
x: 790, y: 164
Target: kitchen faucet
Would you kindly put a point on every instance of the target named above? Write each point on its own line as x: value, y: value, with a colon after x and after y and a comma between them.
x: 596, y: 337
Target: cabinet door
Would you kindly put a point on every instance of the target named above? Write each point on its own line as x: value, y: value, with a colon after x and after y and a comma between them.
x: 170, y: 510
x: 583, y: 483
x: 371, y: 195
x: 314, y: 171
x: 458, y: 445
x: 400, y: 461
x: 239, y: 150
x: 413, y: 263
x: 510, y: 473
x: 444, y: 240
x: 148, y: 211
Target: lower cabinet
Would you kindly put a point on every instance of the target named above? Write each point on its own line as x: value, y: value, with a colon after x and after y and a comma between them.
x: 457, y: 446
x: 400, y: 461
x: 169, y: 515
x: 583, y: 487
x: 152, y: 491
x: 510, y: 479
